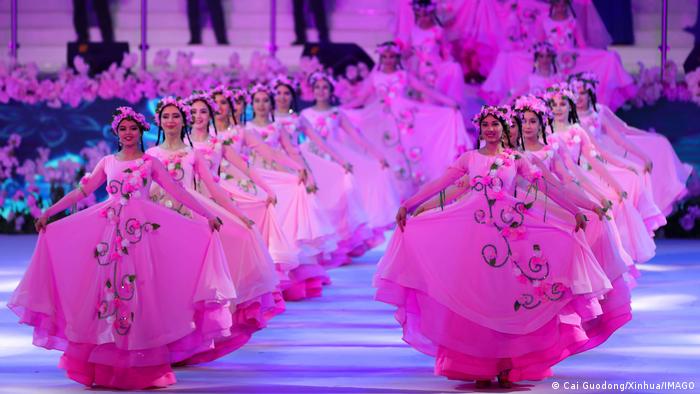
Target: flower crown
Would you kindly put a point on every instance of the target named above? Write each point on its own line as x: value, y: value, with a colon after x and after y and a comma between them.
x: 561, y: 88
x: 170, y: 100
x: 501, y: 112
x: 534, y: 104
x: 586, y: 80
x: 223, y: 90
x: 319, y: 75
x: 201, y: 96
x: 544, y: 48
x: 388, y: 47
x: 285, y: 80
x: 123, y: 113
x: 258, y: 88
x: 427, y: 5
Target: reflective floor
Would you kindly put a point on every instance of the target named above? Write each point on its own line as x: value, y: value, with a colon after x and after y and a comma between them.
x: 345, y: 342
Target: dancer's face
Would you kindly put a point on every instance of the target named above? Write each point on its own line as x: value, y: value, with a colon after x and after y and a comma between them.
x: 200, y: 114
x: 560, y: 108
x: 322, y: 90
x: 531, y: 126
x: 224, y: 108
x: 171, y: 121
x: 491, y: 130
x: 582, y: 101
x: 560, y: 8
x: 239, y: 108
x: 129, y: 134
x: 389, y: 61
x: 351, y: 72
x: 283, y: 98
x: 512, y: 138
x: 262, y: 105
x: 423, y: 15
x: 544, y: 63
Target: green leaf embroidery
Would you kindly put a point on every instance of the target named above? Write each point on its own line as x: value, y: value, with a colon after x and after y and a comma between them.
x: 516, y: 306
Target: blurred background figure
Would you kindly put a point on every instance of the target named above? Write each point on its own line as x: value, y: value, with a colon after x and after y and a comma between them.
x: 216, y: 12
x: 692, y: 62
x: 319, y: 11
x: 104, y: 20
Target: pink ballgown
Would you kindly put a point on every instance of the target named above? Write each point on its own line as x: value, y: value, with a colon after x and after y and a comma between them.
x: 530, y: 13
x: 152, y: 287
x: 471, y: 26
x: 302, y: 276
x: 420, y: 140
x: 432, y: 63
x: 669, y: 175
x: 252, y: 271
x: 637, y: 185
x: 378, y: 190
x: 285, y: 255
x: 486, y: 285
x: 512, y: 68
x: 301, y: 217
x: 338, y: 193
x: 605, y: 243
x: 638, y: 242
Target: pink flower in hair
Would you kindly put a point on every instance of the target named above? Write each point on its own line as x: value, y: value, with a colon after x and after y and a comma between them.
x: 179, y: 104
x: 534, y: 104
x: 258, y: 88
x: 560, y: 89
x: 122, y: 113
x: 201, y: 96
x: 587, y: 80
x: 285, y: 80
x: 500, y: 112
x: 319, y: 75
x: 388, y: 47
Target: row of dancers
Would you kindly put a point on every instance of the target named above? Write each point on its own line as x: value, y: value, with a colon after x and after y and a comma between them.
x: 547, y: 241
x: 443, y: 40
x: 537, y: 233
x: 163, y: 290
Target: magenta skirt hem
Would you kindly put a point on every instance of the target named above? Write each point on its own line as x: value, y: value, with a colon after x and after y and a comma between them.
x: 106, y: 365
x: 465, y: 350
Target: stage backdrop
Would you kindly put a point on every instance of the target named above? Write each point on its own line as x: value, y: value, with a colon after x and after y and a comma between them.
x: 66, y: 131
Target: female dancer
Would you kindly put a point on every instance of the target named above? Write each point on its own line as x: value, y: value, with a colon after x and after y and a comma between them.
x: 152, y: 287
x: 484, y: 309
x: 560, y: 29
x: 284, y: 253
x: 651, y: 150
x: 378, y: 191
x: 420, y: 139
x: 296, y: 220
x: 545, y: 72
x: 471, y: 26
x: 430, y: 54
x: 532, y: 117
x: 336, y: 189
x: 250, y: 264
x: 573, y: 141
x: 303, y: 219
